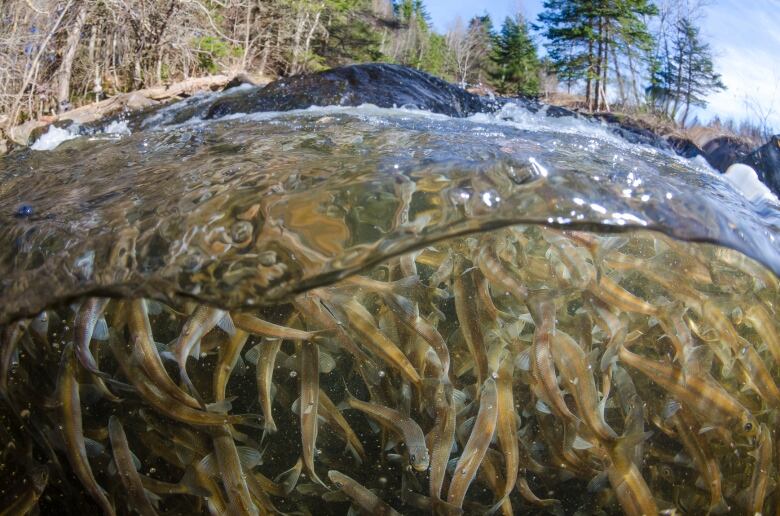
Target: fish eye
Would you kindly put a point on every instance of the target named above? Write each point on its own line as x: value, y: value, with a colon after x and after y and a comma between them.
x: 413, y: 457
x: 748, y: 426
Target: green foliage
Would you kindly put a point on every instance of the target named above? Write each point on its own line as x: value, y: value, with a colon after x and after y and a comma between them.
x: 684, y: 74
x: 434, y: 57
x: 586, y: 37
x: 517, y: 63
x: 211, y: 49
x: 352, y: 37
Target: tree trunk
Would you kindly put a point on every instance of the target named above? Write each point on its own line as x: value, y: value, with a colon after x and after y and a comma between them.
x: 598, y: 66
x: 588, y: 74
x: 605, y: 66
x: 631, y: 69
x: 619, y: 77
x: 66, y: 67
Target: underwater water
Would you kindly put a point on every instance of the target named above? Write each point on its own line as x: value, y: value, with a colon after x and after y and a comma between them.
x: 384, y: 310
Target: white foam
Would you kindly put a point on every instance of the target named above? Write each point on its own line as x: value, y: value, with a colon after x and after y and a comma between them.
x: 52, y: 138
x: 745, y: 179
x: 117, y: 127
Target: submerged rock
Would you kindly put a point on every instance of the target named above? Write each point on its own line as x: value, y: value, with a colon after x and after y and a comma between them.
x: 384, y: 85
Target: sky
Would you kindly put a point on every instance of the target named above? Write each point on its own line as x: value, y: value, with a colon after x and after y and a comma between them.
x: 744, y: 36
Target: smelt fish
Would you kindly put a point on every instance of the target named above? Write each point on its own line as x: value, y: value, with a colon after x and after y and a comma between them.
x: 404, y: 426
x: 477, y: 444
x: 126, y: 469
x: 363, y: 498
x: 73, y: 432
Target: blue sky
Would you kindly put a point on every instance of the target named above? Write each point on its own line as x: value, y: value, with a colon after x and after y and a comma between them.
x: 744, y: 35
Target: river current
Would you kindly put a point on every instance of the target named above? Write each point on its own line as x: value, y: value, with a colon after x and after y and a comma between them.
x: 386, y: 309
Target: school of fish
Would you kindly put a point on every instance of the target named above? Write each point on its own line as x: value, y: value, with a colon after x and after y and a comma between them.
x: 517, y: 370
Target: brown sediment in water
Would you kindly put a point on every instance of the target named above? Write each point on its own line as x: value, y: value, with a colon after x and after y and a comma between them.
x: 629, y: 373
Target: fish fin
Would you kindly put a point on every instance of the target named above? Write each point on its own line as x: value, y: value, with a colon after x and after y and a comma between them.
x: 468, y: 425
x: 720, y: 508
x: 222, y: 406
x: 452, y: 464
x: 355, y: 455
x: 682, y: 459
x: 670, y: 408
x: 153, y: 307
x: 165, y: 354
x: 459, y: 398
x: 190, y: 481
x: 136, y: 461
x: 185, y: 455
x: 208, y: 465
x: 240, y: 369
x: 523, y: 360
x: 94, y: 448
x: 289, y: 479
x: 408, y: 284
x: 226, y: 324
x: 598, y: 482
x: 250, y: 420
x: 374, y: 426
x: 296, y: 406
x: 153, y: 498
x: 249, y: 457
x: 327, y: 362
x: 111, y: 469
x: 581, y: 444
x: 542, y: 407
x: 101, y: 329
x: 394, y: 457
x: 90, y: 393
x: 391, y: 443
x: 253, y: 355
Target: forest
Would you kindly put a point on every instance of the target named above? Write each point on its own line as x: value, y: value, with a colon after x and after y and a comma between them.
x: 634, y: 55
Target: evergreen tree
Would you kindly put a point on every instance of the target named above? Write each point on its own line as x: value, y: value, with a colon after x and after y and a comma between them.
x: 515, y: 56
x: 687, y: 76
x: 570, y: 40
x: 352, y: 36
x: 587, y: 38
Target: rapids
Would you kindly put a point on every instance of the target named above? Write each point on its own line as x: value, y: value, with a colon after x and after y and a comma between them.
x: 316, y: 189
x: 201, y: 307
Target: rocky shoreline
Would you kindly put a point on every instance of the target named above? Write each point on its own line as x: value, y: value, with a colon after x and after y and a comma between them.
x: 391, y: 86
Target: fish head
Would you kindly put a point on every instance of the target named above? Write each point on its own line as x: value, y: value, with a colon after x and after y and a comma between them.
x: 418, y: 458
x: 748, y: 426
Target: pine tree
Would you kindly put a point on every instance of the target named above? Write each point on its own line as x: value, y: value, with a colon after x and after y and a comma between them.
x: 515, y: 56
x: 587, y: 38
x: 570, y: 46
x: 685, y: 75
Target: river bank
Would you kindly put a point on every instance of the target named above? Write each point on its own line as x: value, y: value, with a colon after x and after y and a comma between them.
x: 388, y: 85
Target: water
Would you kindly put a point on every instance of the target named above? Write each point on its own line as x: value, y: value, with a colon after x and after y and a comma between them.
x: 276, y: 215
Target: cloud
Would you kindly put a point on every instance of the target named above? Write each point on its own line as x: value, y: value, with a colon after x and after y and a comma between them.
x: 744, y: 39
